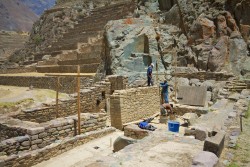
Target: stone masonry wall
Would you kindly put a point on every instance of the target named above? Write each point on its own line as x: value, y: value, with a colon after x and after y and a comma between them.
x: 9, y: 132
x: 31, y: 158
x: 117, y: 82
x: 133, y: 104
x: 47, y: 133
x: 68, y: 84
x: 17, y: 70
x: 92, y: 99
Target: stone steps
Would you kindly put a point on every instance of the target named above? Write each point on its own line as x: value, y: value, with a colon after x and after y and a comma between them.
x: 235, y: 85
x: 86, y: 68
x: 79, y: 61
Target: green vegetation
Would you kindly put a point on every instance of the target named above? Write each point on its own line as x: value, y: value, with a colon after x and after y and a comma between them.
x: 13, y: 104
x: 242, y: 149
x: 38, y: 39
x: 233, y: 165
x: 247, y: 114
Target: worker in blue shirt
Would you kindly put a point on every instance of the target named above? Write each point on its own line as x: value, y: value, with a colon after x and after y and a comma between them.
x: 149, y: 74
x: 164, y: 91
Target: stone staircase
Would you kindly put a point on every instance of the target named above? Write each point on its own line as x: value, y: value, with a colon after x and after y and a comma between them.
x: 235, y: 85
x: 83, y: 44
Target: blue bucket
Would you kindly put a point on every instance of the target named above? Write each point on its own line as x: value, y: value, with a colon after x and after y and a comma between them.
x: 173, y: 126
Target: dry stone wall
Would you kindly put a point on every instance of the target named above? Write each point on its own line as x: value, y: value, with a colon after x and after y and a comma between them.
x: 133, y: 104
x: 92, y: 100
x: 7, y: 132
x: 17, y: 70
x: 46, y: 133
x: 117, y: 82
x: 68, y: 84
x: 36, y: 156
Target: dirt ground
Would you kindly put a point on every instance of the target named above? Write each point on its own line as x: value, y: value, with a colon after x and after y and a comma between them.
x: 13, y: 98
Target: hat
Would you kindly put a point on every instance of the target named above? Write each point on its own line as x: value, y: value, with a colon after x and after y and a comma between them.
x: 152, y: 64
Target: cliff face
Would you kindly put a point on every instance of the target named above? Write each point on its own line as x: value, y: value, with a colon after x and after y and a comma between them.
x: 208, y: 35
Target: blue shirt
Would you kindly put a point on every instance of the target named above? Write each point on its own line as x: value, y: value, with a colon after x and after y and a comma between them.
x: 164, y: 87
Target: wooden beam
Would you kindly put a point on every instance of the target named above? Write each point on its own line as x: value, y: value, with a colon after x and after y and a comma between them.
x: 78, y: 100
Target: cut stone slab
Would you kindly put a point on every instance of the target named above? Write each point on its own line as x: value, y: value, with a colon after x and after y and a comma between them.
x: 135, y: 132
x: 122, y: 142
x: 215, y: 144
x: 205, y: 159
x: 192, y: 95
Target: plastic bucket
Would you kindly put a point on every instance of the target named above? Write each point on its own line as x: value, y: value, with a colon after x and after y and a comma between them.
x: 173, y: 126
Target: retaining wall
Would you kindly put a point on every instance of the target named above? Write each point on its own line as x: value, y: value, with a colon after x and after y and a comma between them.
x: 133, y: 104
x: 34, y: 157
x: 92, y: 100
x: 68, y: 84
x: 46, y: 133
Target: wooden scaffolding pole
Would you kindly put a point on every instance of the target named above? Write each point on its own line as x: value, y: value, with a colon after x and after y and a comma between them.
x: 57, y: 95
x: 78, y: 100
x: 175, y: 80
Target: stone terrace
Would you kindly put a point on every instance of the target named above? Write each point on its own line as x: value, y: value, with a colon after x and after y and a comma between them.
x: 83, y: 44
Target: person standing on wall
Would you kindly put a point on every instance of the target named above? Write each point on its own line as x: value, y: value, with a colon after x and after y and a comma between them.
x: 149, y: 74
x: 164, y: 91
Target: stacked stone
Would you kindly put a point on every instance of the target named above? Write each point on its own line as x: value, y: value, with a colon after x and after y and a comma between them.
x: 45, y: 82
x: 118, y: 82
x: 14, y: 145
x: 182, y: 109
x: 204, y: 75
x: 7, y: 132
x: 89, y: 97
x: 49, y: 132
x: 36, y: 156
x: 133, y: 104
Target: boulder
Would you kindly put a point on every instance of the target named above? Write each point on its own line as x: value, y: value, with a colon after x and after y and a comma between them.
x: 173, y: 16
x: 205, y: 159
x: 121, y: 142
x: 202, y: 28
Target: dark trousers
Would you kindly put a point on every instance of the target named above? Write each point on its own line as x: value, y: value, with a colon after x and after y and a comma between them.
x: 150, y: 81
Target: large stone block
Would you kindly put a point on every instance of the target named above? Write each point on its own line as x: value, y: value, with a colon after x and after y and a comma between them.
x: 205, y: 159
x: 135, y: 132
x: 34, y: 131
x: 122, y: 142
x: 201, y: 133
x: 215, y: 144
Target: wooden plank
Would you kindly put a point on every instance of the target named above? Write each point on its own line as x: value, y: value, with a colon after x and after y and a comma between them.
x: 192, y: 95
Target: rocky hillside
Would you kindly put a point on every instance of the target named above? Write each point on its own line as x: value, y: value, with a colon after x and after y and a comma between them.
x: 15, y: 16
x: 208, y: 35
